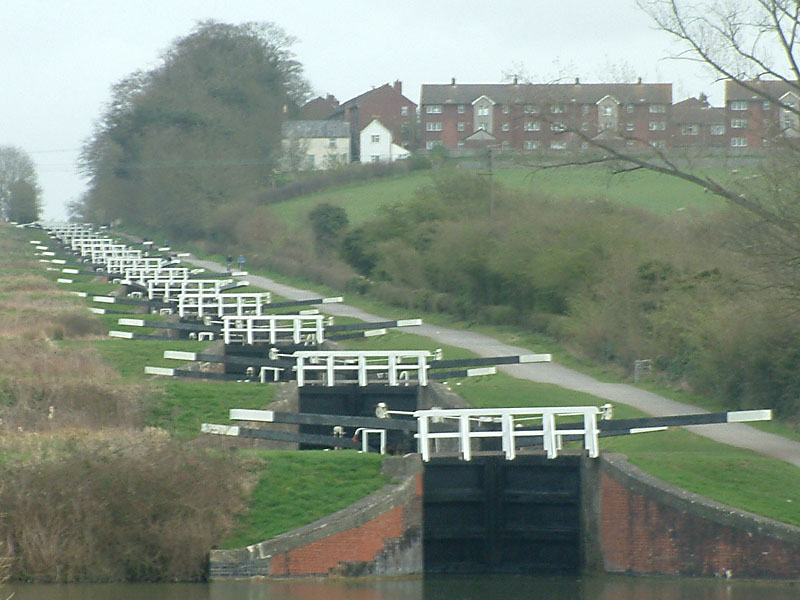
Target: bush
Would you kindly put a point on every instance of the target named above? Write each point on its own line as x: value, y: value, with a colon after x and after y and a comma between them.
x: 132, y: 506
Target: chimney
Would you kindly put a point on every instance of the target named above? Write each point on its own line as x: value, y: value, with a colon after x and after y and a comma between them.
x: 398, y: 86
x: 516, y: 80
x: 452, y: 81
x: 577, y: 81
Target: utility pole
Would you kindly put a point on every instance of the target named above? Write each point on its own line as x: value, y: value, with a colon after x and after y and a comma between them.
x: 491, y: 185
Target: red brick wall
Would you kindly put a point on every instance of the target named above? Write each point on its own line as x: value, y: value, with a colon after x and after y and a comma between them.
x: 641, y: 535
x: 359, y: 544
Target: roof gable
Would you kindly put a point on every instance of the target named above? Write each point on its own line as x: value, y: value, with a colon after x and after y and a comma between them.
x: 316, y: 129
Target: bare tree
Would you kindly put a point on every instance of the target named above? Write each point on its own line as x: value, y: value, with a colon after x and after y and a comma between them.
x: 754, y: 47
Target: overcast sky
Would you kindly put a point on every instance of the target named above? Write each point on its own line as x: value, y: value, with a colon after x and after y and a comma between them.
x: 59, y: 58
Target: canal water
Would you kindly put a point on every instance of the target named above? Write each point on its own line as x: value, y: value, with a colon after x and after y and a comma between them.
x: 429, y: 588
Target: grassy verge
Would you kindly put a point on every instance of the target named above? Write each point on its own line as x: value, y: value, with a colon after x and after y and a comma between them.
x: 295, y: 488
x: 156, y: 410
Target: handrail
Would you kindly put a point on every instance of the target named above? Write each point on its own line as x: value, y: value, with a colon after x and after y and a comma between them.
x: 512, y: 426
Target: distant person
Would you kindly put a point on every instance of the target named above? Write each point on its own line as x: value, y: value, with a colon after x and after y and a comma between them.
x: 240, y: 261
x: 230, y: 263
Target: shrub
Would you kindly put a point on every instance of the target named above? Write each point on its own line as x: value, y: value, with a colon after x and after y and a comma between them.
x: 130, y: 506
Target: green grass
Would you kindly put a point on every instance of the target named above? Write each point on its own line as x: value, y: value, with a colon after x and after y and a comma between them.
x: 296, y: 488
x: 183, y: 405
x: 733, y: 476
x: 130, y: 357
x: 661, y: 194
x: 361, y: 200
x: 658, y: 193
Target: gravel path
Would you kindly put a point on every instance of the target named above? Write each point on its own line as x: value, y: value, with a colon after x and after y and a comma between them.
x: 652, y: 404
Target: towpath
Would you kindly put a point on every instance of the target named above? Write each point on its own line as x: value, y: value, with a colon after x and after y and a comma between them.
x: 739, y: 435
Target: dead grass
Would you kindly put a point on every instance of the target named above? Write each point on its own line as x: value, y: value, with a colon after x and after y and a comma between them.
x: 33, y: 308
x: 117, y: 505
x: 44, y: 387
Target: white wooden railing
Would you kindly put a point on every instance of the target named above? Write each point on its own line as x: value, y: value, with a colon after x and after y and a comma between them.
x: 273, y: 329
x: 202, y: 303
x: 514, y: 423
x: 343, y: 367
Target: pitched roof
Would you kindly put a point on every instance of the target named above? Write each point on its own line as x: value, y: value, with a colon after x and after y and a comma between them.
x: 319, y: 108
x: 531, y: 93
x: 385, y: 87
x: 696, y: 111
x: 771, y: 89
x: 315, y: 129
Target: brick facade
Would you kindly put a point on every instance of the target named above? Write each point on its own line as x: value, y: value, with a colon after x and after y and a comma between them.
x: 536, y: 116
x: 385, y: 103
x: 648, y: 527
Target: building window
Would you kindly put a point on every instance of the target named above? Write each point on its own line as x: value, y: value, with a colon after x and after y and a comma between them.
x: 629, y: 108
x: 738, y: 123
x: 739, y: 105
x: 689, y: 130
x: 531, y: 145
x: 506, y: 109
x: 531, y: 126
x: 558, y: 108
x: 506, y: 127
x: 657, y: 125
x: 403, y: 111
x: 376, y: 139
x: 556, y: 126
x: 658, y: 108
x: 433, y: 126
x: 718, y: 129
x: 434, y: 109
x: 482, y: 127
x: 432, y: 145
x: 375, y: 158
x: 584, y: 126
x: 505, y: 145
x: 331, y: 142
x: 628, y: 126
x: 530, y: 109
x: 558, y: 145
x: 461, y: 144
x: 608, y: 110
x: 461, y: 109
x: 767, y: 106
x: 462, y: 126
x: 738, y: 142
x: 483, y: 111
x: 585, y: 109
x: 660, y: 144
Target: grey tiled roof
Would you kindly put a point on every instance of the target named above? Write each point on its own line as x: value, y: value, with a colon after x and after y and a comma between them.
x: 581, y: 93
x: 773, y: 89
x: 692, y: 110
x: 315, y: 129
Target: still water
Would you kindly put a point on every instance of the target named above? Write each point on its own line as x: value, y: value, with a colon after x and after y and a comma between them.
x: 429, y: 588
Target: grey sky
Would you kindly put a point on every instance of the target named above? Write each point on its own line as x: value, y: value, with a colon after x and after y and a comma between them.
x: 60, y: 57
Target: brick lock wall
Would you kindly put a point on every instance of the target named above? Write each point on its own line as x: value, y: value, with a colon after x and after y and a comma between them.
x: 360, y: 544
x: 670, y: 532
x: 379, y: 535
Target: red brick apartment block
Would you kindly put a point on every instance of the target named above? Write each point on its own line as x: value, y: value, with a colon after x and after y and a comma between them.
x: 539, y: 116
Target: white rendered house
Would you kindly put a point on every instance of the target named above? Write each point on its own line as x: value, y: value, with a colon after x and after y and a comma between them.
x: 309, y: 145
x: 377, y: 144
